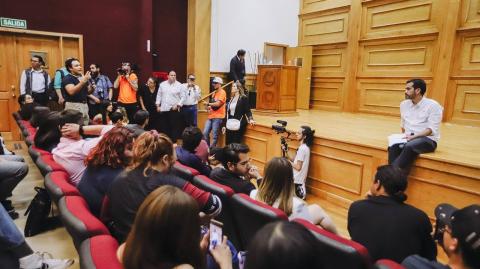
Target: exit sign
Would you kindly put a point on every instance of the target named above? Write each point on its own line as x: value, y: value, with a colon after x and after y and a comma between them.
x: 13, y: 23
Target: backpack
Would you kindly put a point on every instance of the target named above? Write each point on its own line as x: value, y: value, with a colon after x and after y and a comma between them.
x: 52, y: 93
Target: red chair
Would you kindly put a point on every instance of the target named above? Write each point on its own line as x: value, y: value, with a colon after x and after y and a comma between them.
x: 224, y: 193
x: 99, y: 252
x: 251, y: 215
x: 387, y: 264
x: 78, y: 220
x: 58, y: 185
x: 184, y: 171
x: 47, y: 164
x: 338, y: 252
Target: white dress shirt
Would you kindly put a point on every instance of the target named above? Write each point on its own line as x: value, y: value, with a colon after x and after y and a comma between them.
x: 190, y: 95
x: 37, y: 81
x: 169, y: 95
x: 415, y: 118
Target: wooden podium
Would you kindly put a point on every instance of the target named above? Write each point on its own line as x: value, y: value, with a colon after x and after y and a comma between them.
x: 276, y: 89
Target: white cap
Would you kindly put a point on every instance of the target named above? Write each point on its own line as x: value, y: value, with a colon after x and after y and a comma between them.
x: 217, y: 80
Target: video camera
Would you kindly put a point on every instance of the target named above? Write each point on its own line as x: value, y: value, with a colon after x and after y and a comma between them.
x: 280, y: 128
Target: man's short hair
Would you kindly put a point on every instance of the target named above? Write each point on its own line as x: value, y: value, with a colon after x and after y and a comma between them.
x: 140, y: 117
x: 419, y: 83
x: 68, y: 63
x: 241, y: 52
x: 231, y: 153
x: 191, y: 138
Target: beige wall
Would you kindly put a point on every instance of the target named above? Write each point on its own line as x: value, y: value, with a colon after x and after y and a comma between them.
x: 365, y: 50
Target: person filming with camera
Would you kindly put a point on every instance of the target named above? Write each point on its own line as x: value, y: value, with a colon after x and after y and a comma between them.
x: 127, y: 85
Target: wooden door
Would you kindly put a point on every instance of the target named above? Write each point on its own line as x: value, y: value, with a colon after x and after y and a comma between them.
x: 16, y: 49
x: 302, y: 57
x: 8, y: 87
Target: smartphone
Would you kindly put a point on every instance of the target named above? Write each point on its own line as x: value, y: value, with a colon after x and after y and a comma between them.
x: 215, y: 233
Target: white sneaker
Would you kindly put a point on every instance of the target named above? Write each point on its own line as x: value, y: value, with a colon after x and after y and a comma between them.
x: 44, y: 260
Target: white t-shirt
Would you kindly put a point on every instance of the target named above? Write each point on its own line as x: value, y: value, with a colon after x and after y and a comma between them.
x: 299, y: 207
x: 303, y: 154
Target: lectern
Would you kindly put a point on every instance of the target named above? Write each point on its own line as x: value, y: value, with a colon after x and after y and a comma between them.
x: 277, y: 89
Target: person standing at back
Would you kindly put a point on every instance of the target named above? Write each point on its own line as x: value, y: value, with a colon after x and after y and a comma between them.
x: 387, y: 226
x: 34, y: 81
x: 127, y: 83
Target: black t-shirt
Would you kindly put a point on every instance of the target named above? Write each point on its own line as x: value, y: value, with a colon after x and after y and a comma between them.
x: 79, y: 97
x: 149, y: 98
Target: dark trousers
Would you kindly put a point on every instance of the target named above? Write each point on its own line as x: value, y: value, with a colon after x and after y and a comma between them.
x: 403, y: 155
x: 40, y: 98
x: 235, y: 136
x: 189, y: 114
x: 131, y: 110
x: 171, y: 123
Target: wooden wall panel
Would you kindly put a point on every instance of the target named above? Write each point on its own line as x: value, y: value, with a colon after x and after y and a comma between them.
x: 400, y: 18
x: 324, y: 29
x: 467, y: 102
x: 413, y: 57
x: 327, y: 94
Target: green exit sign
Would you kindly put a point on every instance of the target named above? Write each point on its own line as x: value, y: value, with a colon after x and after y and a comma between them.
x: 13, y: 23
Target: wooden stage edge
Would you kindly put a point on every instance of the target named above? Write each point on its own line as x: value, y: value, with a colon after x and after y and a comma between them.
x: 349, y: 146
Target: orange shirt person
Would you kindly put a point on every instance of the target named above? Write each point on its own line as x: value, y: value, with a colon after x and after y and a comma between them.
x: 127, y: 83
x: 216, y: 112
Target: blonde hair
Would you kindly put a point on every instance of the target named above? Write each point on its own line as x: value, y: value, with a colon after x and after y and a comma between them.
x: 149, y: 148
x: 278, y: 184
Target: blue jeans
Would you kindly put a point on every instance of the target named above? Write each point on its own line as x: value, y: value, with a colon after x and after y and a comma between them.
x: 10, y: 236
x: 210, y: 124
x: 190, y: 115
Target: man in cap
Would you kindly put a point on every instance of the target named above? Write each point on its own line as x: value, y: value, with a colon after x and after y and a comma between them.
x: 216, y: 112
x: 458, y: 232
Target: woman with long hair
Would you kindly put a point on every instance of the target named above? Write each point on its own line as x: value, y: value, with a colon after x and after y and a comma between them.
x: 106, y: 160
x: 277, y: 190
x: 153, y: 157
x: 238, y: 108
x: 301, y: 161
x: 166, y: 234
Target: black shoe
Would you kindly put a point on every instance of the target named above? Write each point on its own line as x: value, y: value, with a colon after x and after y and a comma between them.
x: 13, y: 214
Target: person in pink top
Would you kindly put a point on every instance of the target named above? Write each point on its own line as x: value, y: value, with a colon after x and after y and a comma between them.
x: 73, y: 149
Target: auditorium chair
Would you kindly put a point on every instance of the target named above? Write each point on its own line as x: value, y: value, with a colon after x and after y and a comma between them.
x: 184, y: 171
x: 338, y: 252
x: 251, y: 215
x: 78, y: 220
x: 36, y: 152
x: 224, y: 193
x: 58, y: 185
x: 387, y: 264
x: 99, y: 252
x: 46, y: 164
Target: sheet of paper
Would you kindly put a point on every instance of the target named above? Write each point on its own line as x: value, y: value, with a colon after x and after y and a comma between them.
x: 396, y: 139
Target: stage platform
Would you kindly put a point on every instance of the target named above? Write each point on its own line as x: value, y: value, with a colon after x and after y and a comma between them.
x: 349, y: 146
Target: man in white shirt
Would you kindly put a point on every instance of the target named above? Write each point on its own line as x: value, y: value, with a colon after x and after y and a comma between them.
x: 169, y: 102
x: 190, y: 97
x: 34, y: 81
x: 420, y: 122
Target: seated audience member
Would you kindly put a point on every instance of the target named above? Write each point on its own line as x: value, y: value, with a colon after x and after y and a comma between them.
x: 140, y: 121
x: 153, y: 157
x: 385, y: 225
x: 39, y: 113
x: 13, y: 244
x: 284, y: 245
x: 191, y: 138
x: 12, y: 170
x: 72, y: 149
x: 166, y: 234
x: 458, y: 232
x: 237, y: 170
x: 26, y: 106
x: 277, y: 190
x: 48, y: 133
x: 106, y: 160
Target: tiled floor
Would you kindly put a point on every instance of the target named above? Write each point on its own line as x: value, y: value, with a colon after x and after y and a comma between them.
x: 58, y: 241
